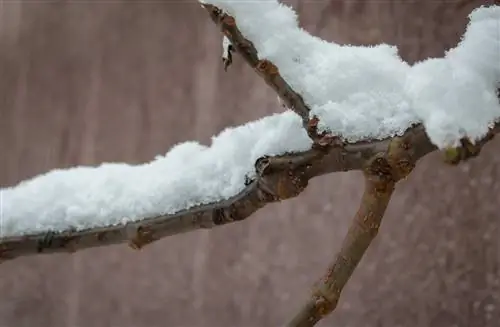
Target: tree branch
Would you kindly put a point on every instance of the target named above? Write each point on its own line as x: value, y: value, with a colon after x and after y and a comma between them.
x: 269, y: 73
x: 382, y: 172
x: 278, y: 178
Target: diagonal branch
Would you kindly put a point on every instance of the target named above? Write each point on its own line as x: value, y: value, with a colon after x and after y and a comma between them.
x: 269, y: 73
x: 382, y: 172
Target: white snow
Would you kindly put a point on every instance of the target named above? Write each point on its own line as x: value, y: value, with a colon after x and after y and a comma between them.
x: 357, y: 92
x: 226, y: 44
x: 455, y: 96
x: 113, y: 193
x: 361, y: 92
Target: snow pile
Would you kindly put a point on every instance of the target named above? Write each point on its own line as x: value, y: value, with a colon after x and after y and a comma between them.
x: 357, y: 92
x: 189, y: 174
x: 456, y: 96
x: 361, y: 92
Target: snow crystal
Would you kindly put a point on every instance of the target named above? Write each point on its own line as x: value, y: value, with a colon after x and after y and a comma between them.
x: 357, y: 93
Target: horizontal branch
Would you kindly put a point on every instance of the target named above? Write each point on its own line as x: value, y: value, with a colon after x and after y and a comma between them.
x: 278, y: 178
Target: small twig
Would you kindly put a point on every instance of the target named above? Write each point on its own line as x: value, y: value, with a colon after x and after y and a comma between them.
x: 467, y: 149
x: 382, y: 172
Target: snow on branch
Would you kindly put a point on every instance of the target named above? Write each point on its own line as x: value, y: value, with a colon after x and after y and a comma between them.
x: 365, y: 92
x: 190, y: 174
x: 191, y: 187
x: 233, y: 39
x: 363, y: 95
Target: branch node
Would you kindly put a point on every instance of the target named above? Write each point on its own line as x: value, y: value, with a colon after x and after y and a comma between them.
x: 400, y: 155
x: 46, y: 241
x: 467, y: 150
x: 143, y: 236
x: 224, y: 216
x: 215, y: 13
x: 379, y: 172
x: 325, y: 305
x: 263, y: 166
x: 323, y: 140
x: 267, y: 68
x: 228, y: 21
x: 279, y: 178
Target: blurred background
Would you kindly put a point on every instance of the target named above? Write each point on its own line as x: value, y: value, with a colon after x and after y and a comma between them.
x: 84, y: 82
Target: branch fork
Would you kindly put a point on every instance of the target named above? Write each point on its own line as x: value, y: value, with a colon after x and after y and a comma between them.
x: 381, y: 173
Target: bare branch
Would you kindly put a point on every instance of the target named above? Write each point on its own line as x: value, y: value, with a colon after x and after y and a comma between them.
x: 382, y: 172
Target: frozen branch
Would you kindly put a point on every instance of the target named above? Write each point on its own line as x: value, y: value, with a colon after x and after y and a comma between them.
x: 268, y: 72
x: 278, y: 178
x: 354, y: 93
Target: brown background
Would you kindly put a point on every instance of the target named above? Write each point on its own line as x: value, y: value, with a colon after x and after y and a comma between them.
x: 82, y: 82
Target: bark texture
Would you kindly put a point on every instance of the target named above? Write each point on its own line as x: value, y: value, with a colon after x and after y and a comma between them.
x: 87, y: 82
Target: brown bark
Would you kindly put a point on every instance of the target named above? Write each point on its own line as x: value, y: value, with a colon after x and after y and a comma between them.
x: 379, y: 187
x: 278, y: 178
x: 83, y: 83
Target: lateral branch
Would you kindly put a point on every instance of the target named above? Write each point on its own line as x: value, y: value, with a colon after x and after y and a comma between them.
x: 381, y: 173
